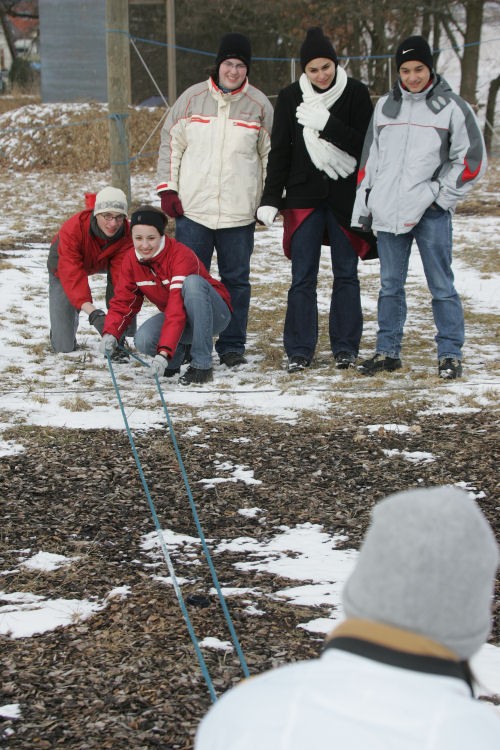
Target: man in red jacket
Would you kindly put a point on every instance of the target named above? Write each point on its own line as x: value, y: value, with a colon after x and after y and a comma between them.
x: 91, y: 241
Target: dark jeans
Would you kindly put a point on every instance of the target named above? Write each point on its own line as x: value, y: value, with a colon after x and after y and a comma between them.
x: 346, y: 318
x: 234, y: 247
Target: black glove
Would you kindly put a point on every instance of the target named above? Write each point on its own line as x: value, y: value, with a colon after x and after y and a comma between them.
x: 96, y: 319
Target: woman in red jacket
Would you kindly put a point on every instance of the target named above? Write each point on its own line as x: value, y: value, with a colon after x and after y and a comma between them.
x: 194, y: 306
x: 89, y: 242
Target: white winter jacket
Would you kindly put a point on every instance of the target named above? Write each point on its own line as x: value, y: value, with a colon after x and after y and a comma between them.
x: 344, y: 701
x: 213, y: 152
x: 419, y: 149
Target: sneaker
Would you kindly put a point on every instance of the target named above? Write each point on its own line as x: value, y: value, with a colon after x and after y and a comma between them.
x: 195, y: 376
x: 232, y: 359
x: 297, y: 363
x: 379, y: 363
x: 344, y: 360
x: 170, y: 372
x: 450, y: 368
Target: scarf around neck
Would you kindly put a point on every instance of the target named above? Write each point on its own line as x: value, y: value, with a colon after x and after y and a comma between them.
x: 325, y: 155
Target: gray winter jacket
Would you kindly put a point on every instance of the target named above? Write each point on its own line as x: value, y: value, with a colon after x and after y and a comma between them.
x: 419, y: 149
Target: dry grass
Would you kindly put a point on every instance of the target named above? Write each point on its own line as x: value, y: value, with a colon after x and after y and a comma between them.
x: 74, y: 138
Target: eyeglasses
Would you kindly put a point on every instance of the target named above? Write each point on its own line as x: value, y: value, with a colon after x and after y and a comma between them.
x: 108, y: 218
x: 239, y: 67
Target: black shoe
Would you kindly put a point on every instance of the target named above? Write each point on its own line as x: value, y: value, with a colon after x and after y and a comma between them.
x: 449, y: 368
x: 187, y: 355
x: 297, y: 363
x: 170, y: 372
x: 120, y: 355
x: 232, y: 359
x: 195, y: 376
x: 379, y: 363
x: 344, y: 360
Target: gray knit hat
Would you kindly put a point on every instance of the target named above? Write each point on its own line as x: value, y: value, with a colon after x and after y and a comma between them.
x: 427, y: 564
x: 110, y: 199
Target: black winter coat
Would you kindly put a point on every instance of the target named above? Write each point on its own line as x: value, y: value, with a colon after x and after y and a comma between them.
x: 289, y: 165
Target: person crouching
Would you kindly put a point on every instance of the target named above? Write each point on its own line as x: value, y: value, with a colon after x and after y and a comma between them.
x: 194, y: 306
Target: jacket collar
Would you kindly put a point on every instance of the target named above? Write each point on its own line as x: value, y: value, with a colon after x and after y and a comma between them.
x: 398, y: 648
x: 436, y: 97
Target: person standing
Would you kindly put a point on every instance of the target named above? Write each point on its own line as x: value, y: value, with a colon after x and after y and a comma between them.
x: 395, y: 673
x: 90, y: 242
x: 319, y: 127
x: 211, y: 170
x: 423, y: 152
x: 194, y: 307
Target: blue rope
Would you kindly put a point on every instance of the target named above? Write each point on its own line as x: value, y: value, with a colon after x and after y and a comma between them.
x: 215, y: 580
x: 170, y: 567
x: 194, y: 512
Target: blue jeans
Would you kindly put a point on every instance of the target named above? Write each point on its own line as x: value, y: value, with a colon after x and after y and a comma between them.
x: 234, y: 247
x: 64, y: 318
x: 433, y: 235
x: 207, y: 315
x: 346, y: 319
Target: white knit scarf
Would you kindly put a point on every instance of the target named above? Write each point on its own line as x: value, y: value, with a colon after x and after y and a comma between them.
x: 325, y: 156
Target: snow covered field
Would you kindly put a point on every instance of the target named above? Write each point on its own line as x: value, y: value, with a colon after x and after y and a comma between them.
x: 75, y: 391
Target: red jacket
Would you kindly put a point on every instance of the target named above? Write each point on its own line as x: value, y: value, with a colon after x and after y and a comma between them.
x: 160, y: 280
x: 76, y: 253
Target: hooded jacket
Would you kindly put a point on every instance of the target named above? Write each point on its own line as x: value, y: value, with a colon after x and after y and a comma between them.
x: 359, y: 694
x: 420, y: 149
x: 213, y: 153
x: 76, y: 253
x: 159, y: 280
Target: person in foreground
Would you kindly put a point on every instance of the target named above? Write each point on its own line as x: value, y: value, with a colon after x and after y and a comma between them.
x: 395, y: 673
x: 423, y: 152
x: 194, y: 306
x: 90, y: 242
x: 320, y: 122
x: 211, y: 170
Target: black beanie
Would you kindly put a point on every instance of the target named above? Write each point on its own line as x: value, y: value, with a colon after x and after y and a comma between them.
x: 150, y: 216
x: 237, y: 46
x: 316, y: 44
x: 414, y: 48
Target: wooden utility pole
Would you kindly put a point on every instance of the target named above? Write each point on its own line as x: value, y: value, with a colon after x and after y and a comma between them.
x: 171, y: 59
x: 118, y: 66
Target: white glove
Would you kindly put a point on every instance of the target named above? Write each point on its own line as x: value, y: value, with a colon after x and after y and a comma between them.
x: 266, y: 215
x: 312, y: 116
x: 159, y: 365
x: 107, y: 344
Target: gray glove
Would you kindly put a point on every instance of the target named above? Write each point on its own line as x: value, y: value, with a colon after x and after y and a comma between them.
x: 159, y: 365
x: 108, y: 344
x: 96, y: 319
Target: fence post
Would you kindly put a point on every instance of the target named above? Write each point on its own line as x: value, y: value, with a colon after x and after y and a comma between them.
x: 118, y: 74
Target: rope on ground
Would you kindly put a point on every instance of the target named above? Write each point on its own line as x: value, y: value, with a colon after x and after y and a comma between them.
x: 163, y: 546
x: 199, y: 528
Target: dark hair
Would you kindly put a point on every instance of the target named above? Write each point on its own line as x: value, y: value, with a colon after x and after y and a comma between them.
x: 151, y: 216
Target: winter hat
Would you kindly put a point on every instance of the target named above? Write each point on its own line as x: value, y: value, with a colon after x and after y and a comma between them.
x: 237, y: 46
x: 150, y: 216
x: 110, y: 199
x: 427, y: 565
x: 316, y: 44
x: 414, y: 48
